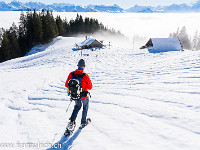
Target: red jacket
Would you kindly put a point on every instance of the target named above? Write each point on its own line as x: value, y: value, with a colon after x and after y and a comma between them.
x: 86, y: 82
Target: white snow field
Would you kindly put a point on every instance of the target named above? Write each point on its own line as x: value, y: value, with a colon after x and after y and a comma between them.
x: 140, y: 100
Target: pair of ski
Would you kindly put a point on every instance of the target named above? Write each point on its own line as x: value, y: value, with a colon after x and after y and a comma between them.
x: 69, y: 132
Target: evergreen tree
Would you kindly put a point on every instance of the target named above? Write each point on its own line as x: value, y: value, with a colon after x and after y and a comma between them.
x: 96, y: 25
x: 37, y: 29
x: 195, y: 41
x: 1, y: 34
x: 175, y: 34
x: 92, y: 25
x: 101, y: 27
x: 46, y: 27
x: 54, y: 27
x: 29, y: 28
x: 50, y: 29
x: 6, y: 47
x: 15, y: 48
x: 76, y: 24
x: 60, y: 25
x: 14, y: 29
x: 66, y: 27
x: 23, y: 33
x: 1, y: 55
x: 87, y: 25
x: 72, y: 26
x: 1, y: 51
x: 184, y: 38
x: 80, y: 24
x: 198, y: 44
x: 10, y: 46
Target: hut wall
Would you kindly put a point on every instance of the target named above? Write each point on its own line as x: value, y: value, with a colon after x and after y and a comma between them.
x: 95, y: 44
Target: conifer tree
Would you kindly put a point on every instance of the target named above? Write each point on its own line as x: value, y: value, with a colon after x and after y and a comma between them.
x: 198, y: 44
x: 91, y: 25
x: 12, y: 35
x: 195, y: 41
x: 184, y: 38
x: 1, y: 51
x: 6, y: 47
x: 54, y: 27
x: 1, y: 55
x: 87, y: 25
x: 60, y: 25
x: 72, y: 26
x: 29, y: 27
x: 79, y: 24
x: 46, y: 27
x: 23, y: 33
x: 50, y: 29
x: 66, y: 27
x: 37, y: 29
x: 14, y: 29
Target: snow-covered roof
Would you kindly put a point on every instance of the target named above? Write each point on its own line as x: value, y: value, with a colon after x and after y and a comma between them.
x: 164, y: 44
x: 87, y: 42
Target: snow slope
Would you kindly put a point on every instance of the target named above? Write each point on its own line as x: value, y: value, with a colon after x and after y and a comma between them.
x: 139, y: 101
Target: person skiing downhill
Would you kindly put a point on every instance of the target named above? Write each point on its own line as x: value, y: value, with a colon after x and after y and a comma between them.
x: 80, y: 98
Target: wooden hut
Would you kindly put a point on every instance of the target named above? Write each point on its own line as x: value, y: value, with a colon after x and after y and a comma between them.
x: 89, y: 43
x: 157, y: 45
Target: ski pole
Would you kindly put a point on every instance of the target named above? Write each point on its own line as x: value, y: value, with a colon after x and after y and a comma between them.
x: 69, y: 105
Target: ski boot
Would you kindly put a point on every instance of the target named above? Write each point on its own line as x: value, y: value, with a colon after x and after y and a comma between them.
x: 85, y: 124
x: 70, y: 128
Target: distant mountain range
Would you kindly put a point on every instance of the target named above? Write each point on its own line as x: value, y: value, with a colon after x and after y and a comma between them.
x: 59, y: 7
x: 65, y: 7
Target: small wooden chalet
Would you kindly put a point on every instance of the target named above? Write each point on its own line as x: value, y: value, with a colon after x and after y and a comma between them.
x: 89, y: 43
x: 157, y: 45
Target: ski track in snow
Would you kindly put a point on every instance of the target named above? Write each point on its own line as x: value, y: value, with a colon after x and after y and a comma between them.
x: 139, y: 100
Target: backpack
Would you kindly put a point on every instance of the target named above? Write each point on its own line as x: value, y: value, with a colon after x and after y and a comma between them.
x: 75, y: 86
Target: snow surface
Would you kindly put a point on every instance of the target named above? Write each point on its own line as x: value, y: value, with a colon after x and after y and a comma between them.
x: 140, y: 101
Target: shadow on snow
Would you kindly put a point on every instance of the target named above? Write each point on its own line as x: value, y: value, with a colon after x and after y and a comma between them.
x: 65, y: 143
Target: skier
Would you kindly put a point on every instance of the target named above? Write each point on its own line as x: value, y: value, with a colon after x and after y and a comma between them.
x: 78, y: 84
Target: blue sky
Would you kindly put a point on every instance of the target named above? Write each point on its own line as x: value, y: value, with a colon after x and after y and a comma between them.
x: 121, y: 3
